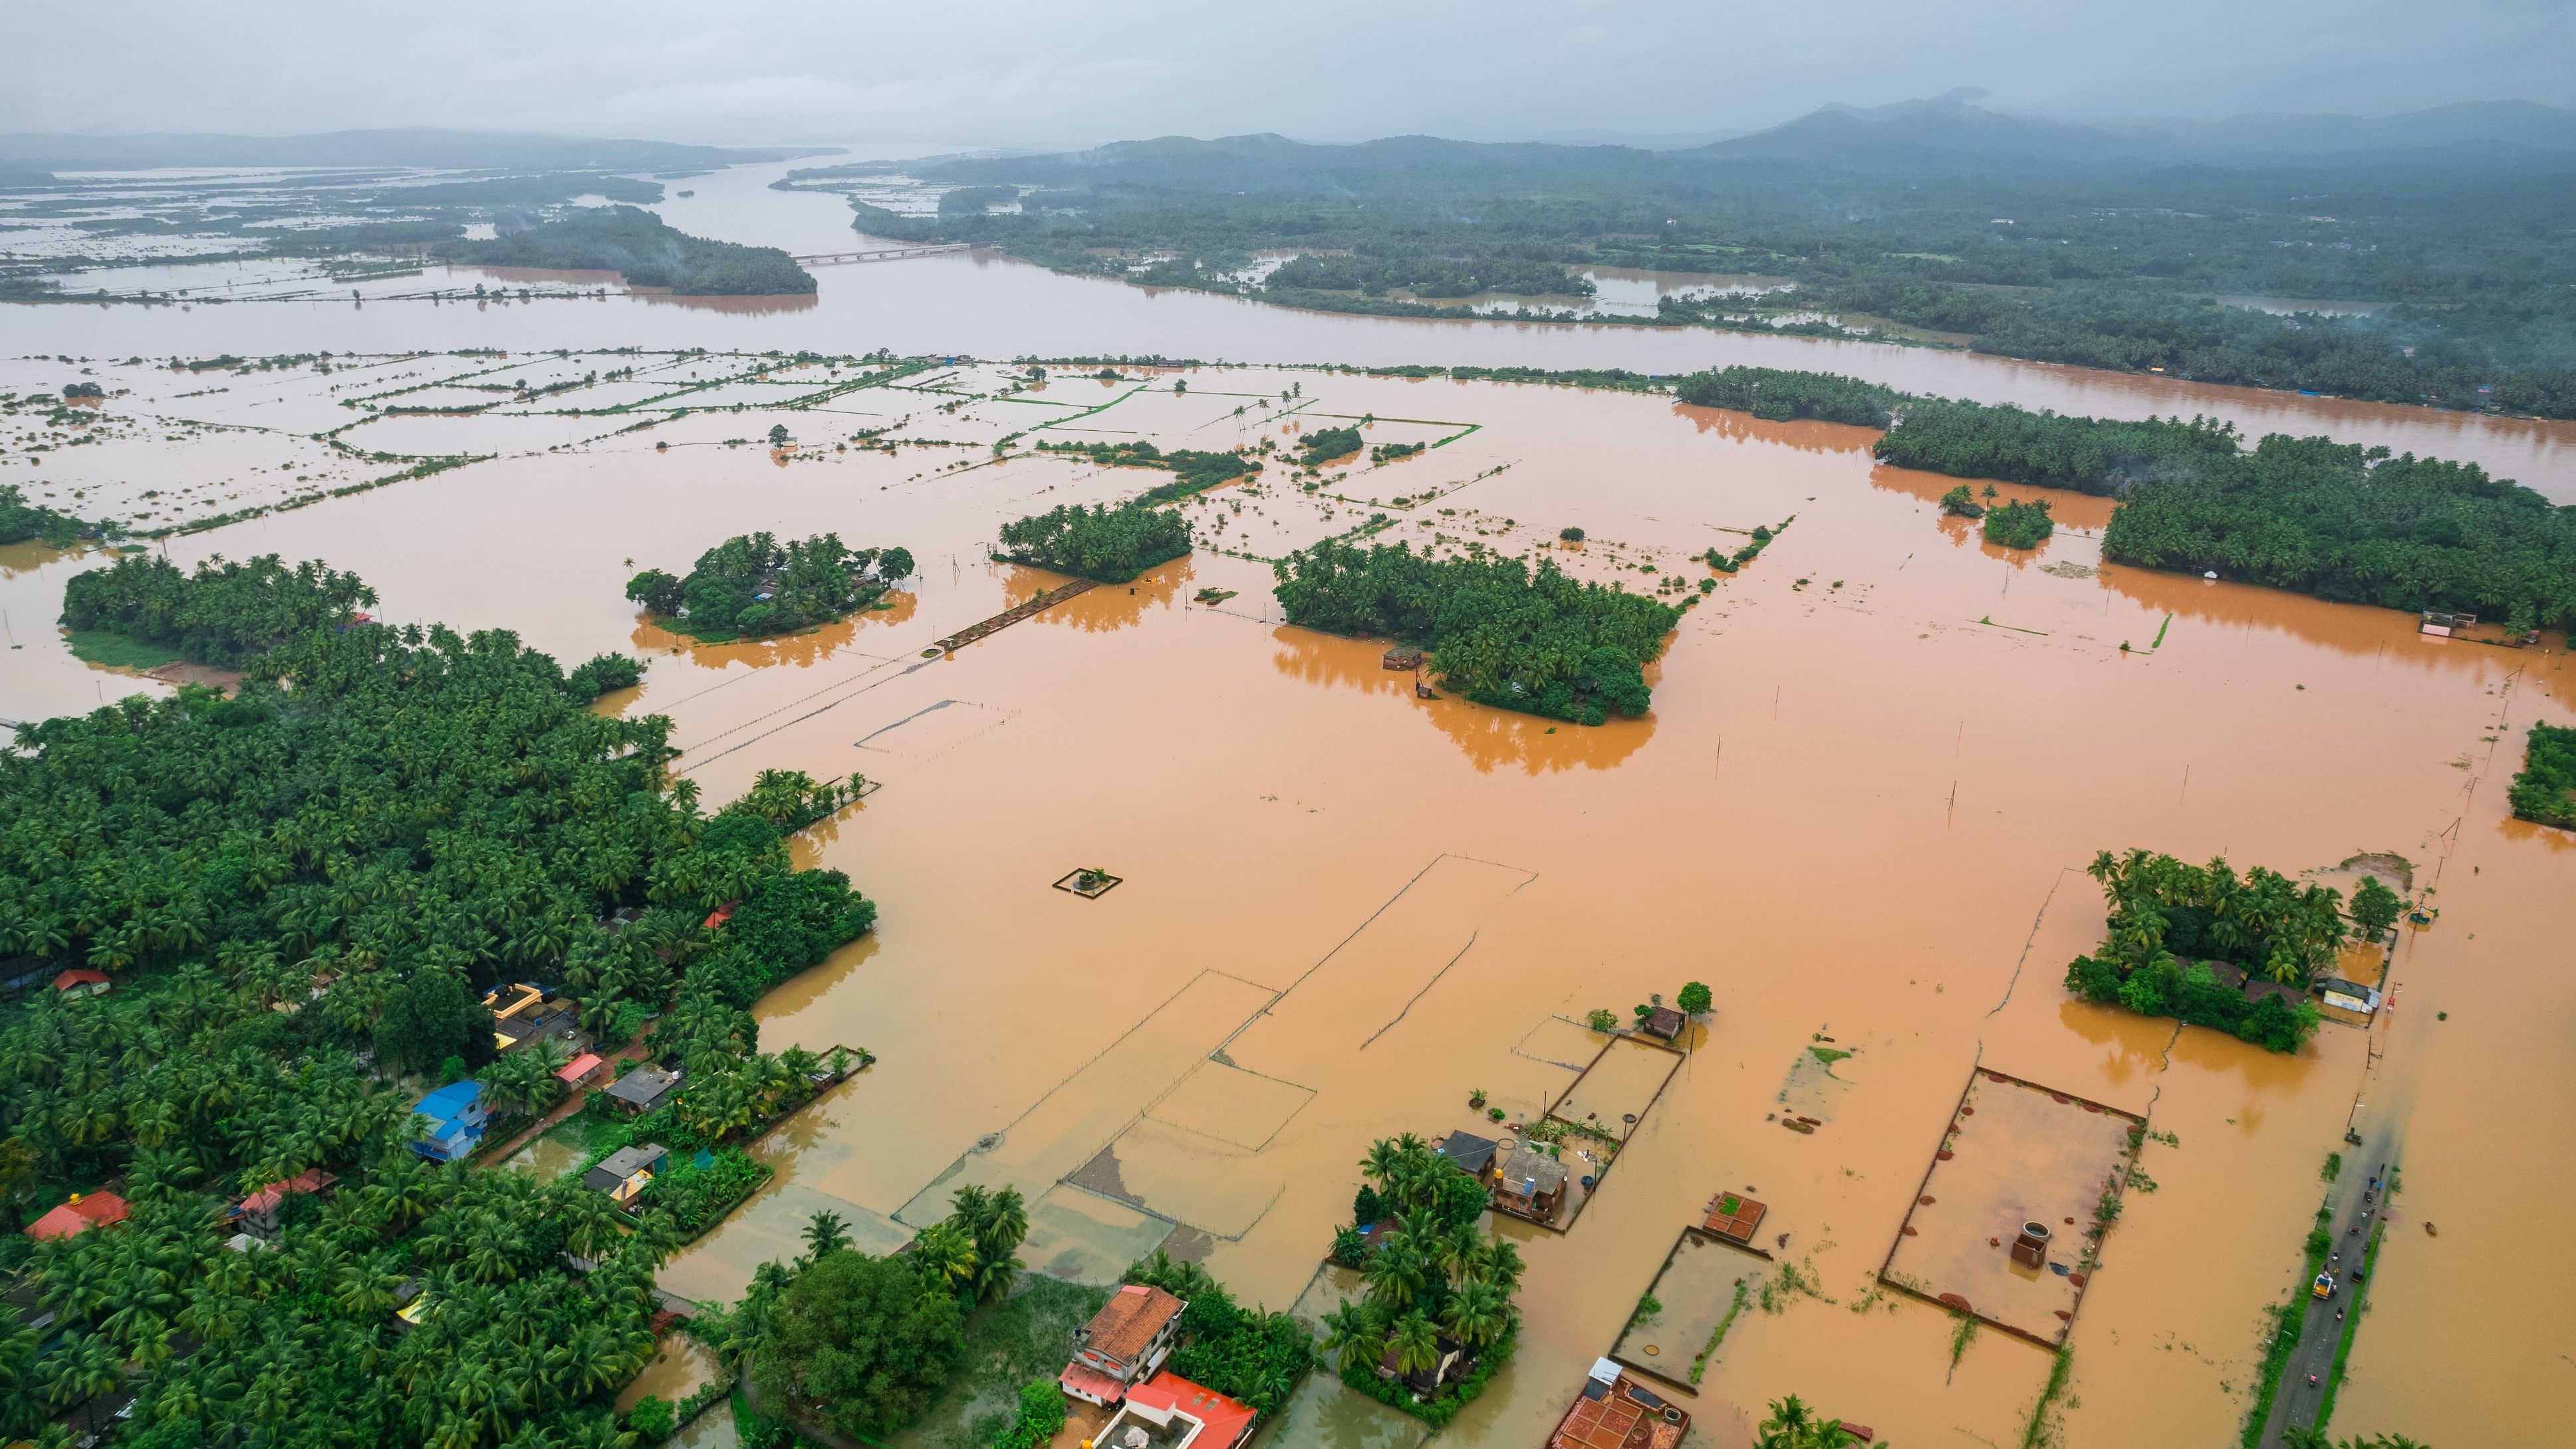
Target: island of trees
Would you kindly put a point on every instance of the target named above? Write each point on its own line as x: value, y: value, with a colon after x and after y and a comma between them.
x: 2335, y: 520
x: 751, y: 586
x: 2544, y: 789
x: 1779, y: 396
x: 1431, y: 1286
x: 2016, y: 524
x: 298, y: 894
x: 643, y: 249
x: 21, y: 520
x: 1198, y: 470
x: 2199, y: 943
x: 1111, y: 545
x: 1498, y: 631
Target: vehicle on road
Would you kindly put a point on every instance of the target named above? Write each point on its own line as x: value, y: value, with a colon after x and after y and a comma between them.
x: 2324, y: 1287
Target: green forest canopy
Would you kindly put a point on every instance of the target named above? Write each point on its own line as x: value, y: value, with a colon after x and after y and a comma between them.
x: 1112, y: 545
x: 414, y: 815
x: 1501, y: 633
x: 2334, y: 520
x: 642, y: 248
x: 2105, y: 266
x: 753, y: 585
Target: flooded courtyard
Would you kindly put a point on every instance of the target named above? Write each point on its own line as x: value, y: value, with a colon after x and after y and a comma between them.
x: 1344, y: 907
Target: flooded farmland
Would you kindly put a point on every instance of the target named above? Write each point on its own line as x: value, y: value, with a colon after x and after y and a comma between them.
x: 1879, y: 760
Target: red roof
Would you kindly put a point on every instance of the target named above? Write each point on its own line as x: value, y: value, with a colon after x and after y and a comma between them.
x: 582, y: 1066
x: 311, y: 1179
x: 80, y: 976
x: 94, y: 1211
x: 721, y: 914
x: 1227, y: 1420
x: 1079, y: 1380
x: 1128, y: 1322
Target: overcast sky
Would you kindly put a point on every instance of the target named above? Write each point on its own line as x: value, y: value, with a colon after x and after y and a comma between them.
x: 1005, y: 72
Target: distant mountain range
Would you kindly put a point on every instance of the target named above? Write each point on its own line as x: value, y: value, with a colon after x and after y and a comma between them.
x: 1952, y: 133
x: 461, y: 150
x: 1947, y: 137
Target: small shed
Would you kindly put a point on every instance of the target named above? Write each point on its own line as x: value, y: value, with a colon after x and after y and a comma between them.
x: 81, y: 981
x: 1664, y: 1022
x: 580, y: 1070
x: 1402, y: 656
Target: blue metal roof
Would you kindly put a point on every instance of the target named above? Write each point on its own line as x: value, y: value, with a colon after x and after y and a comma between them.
x: 449, y: 1100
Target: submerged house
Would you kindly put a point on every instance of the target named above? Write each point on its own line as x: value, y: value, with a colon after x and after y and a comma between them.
x: 457, y: 1118
x: 1124, y: 1342
x: 1664, y: 1022
x: 1529, y: 1184
x: 2347, y: 1001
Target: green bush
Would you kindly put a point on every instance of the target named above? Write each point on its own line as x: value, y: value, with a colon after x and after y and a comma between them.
x: 2019, y: 525
x: 1041, y: 1415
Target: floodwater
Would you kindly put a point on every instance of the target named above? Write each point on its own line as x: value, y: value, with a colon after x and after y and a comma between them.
x: 1343, y: 908
x: 984, y: 305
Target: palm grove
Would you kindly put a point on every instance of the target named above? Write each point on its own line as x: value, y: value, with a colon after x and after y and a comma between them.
x: 299, y: 892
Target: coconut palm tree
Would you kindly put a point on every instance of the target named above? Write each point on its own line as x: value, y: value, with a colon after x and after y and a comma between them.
x: 1357, y: 1332
x: 946, y: 1255
x: 1476, y: 1314
x: 1416, y: 1343
x: 825, y: 1233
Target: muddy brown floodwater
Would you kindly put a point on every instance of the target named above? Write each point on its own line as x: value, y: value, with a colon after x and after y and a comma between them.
x: 1878, y: 761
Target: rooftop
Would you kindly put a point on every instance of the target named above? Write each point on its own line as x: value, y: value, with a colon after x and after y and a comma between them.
x: 1223, y: 1421
x: 1472, y: 1153
x: 1129, y: 1321
x: 96, y: 1210
x: 311, y: 1179
x: 1526, y: 1164
x: 643, y: 1084
x: 449, y: 1100
x: 580, y: 1067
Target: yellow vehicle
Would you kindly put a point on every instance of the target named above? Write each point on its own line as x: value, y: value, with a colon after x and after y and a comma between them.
x: 2324, y: 1287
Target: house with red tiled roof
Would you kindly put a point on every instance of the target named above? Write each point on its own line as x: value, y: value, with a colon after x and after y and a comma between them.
x: 95, y: 1210
x: 1169, y: 1412
x: 258, y: 1212
x: 1125, y: 1341
x: 81, y: 981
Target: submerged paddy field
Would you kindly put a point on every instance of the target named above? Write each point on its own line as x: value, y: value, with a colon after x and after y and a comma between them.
x: 1879, y: 759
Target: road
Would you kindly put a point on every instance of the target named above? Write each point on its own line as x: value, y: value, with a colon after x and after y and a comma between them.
x: 2296, y: 1405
